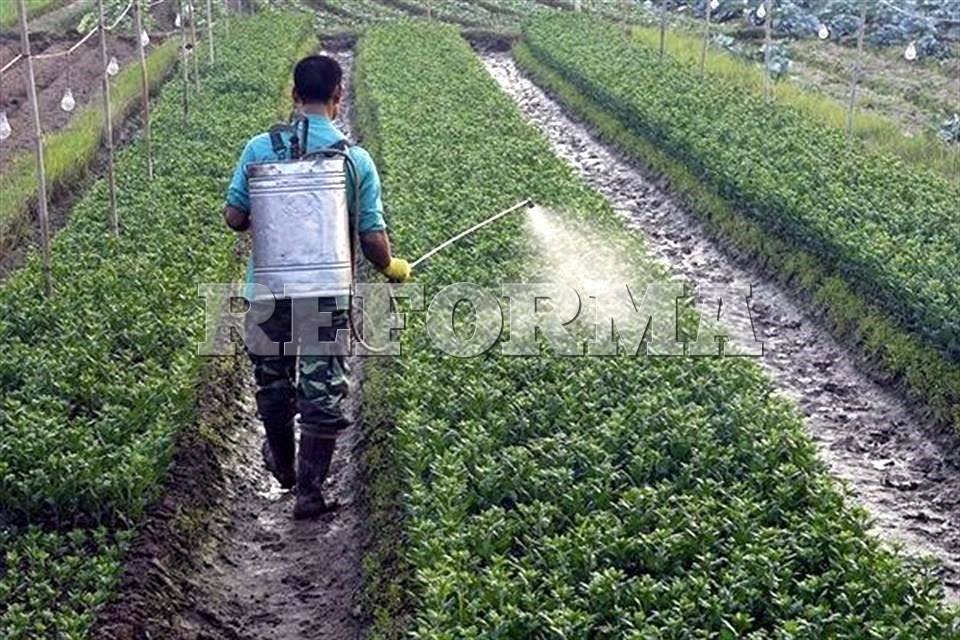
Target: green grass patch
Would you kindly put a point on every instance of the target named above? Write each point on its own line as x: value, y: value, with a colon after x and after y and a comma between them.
x: 9, y: 16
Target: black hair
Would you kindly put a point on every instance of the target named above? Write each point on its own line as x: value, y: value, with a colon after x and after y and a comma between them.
x: 315, y: 78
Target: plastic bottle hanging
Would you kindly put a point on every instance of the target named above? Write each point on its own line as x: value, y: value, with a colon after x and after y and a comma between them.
x: 824, y: 32
x: 911, y: 52
x: 178, y: 21
x: 113, y: 67
x: 144, y: 38
x: 5, y: 129
x: 762, y: 11
x: 67, y: 102
x: 714, y: 5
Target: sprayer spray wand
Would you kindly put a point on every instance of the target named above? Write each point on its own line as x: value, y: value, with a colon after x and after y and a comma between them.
x: 463, y: 234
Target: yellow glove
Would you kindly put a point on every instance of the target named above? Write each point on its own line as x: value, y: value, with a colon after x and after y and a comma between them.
x: 398, y: 270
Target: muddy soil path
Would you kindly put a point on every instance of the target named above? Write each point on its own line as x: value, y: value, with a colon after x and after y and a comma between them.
x: 902, y: 469
x: 270, y: 577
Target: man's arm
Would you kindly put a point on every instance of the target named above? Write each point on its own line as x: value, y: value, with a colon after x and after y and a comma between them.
x: 237, y: 211
x: 376, y: 248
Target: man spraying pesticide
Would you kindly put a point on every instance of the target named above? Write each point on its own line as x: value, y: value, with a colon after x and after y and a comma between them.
x: 308, y: 197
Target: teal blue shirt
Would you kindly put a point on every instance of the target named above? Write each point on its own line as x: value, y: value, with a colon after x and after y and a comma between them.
x: 322, y: 134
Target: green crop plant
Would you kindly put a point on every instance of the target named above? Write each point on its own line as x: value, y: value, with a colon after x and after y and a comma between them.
x: 582, y: 497
x: 916, y: 364
x: 69, y: 152
x: 918, y: 369
x: 872, y: 130
x: 887, y: 228
x: 97, y: 380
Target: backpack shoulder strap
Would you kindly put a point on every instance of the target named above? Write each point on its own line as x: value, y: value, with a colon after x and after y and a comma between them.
x: 276, y: 139
x: 341, y: 145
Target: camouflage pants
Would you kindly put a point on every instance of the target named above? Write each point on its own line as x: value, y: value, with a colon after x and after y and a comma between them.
x: 314, y: 386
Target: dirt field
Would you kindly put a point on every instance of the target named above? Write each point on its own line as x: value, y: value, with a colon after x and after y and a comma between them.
x: 81, y: 73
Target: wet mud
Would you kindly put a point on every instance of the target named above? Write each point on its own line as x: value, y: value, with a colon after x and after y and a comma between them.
x: 900, y: 467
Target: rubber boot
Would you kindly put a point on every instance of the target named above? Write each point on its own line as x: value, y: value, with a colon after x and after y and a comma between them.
x: 278, y: 453
x: 316, y: 453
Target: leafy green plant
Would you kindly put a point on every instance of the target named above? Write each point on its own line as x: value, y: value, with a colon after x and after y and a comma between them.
x: 903, y: 357
x: 96, y: 381
x: 565, y: 498
x: 887, y: 228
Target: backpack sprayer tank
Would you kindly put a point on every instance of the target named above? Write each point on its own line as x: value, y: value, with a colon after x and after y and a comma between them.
x: 303, y: 236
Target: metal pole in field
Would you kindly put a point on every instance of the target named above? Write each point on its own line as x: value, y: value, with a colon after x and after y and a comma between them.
x: 193, y: 44
x: 663, y: 27
x: 108, y: 121
x: 767, y: 44
x: 144, y: 87
x: 42, y: 213
x: 706, y: 37
x: 855, y: 79
x: 184, y: 62
x: 210, y: 29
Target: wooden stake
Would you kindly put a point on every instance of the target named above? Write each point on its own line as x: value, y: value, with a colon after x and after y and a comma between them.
x: 108, y: 122
x: 706, y: 37
x: 42, y: 212
x: 855, y: 78
x: 193, y: 44
x: 663, y: 27
x: 184, y: 61
x: 144, y: 87
x: 210, y: 29
x: 767, y: 44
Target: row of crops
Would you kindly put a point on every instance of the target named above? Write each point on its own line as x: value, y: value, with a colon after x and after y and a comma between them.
x: 96, y: 381
x: 570, y: 498
x: 492, y: 14
x: 887, y: 229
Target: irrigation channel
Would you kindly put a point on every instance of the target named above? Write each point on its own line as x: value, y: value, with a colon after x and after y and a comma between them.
x: 904, y: 470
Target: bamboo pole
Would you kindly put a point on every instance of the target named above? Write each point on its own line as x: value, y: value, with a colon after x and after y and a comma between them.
x: 663, y: 27
x: 184, y: 62
x: 108, y: 121
x: 42, y: 212
x: 193, y: 45
x: 706, y: 37
x: 855, y: 78
x: 144, y: 87
x: 210, y: 29
x: 767, y: 44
